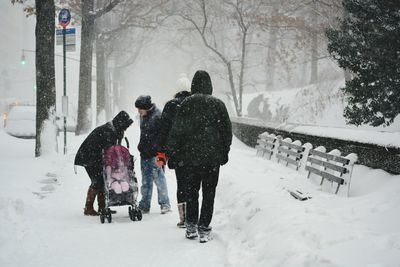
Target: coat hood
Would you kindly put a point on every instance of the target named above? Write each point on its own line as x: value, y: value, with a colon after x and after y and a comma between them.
x: 182, y: 94
x: 201, y: 83
x: 122, y: 121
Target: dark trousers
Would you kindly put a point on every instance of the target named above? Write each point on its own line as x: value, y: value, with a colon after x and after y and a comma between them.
x: 181, y: 181
x: 206, y: 178
x: 96, y: 177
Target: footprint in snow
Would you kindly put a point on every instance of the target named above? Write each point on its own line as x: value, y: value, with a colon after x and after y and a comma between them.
x: 48, y: 187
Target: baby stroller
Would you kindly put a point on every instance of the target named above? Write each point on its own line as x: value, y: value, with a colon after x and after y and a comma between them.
x: 120, y: 182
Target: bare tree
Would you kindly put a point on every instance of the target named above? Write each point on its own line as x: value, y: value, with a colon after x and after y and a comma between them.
x: 208, y: 19
x: 119, y: 38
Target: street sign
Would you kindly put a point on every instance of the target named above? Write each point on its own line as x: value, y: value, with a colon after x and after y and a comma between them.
x: 64, y: 17
x: 70, y: 39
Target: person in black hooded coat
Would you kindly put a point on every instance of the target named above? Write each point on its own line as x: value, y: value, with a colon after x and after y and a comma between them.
x: 90, y: 156
x: 199, y: 142
x: 167, y: 119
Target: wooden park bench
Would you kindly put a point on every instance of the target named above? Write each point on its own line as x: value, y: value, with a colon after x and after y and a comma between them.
x: 266, y: 144
x: 332, y: 167
x: 290, y: 152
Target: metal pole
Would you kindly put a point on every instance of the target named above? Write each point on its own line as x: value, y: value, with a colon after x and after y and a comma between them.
x: 65, y: 89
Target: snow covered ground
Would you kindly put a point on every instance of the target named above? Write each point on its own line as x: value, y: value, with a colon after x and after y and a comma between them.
x: 256, y: 221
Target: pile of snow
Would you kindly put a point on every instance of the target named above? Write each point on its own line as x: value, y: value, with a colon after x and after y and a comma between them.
x: 256, y: 222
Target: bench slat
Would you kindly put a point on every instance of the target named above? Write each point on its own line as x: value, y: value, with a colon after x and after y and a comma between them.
x: 326, y: 175
x: 289, y: 160
x: 300, y: 148
x: 290, y: 152
x: 270, y: 151
x: 329, y: 156
x: 328, y: 165
x: 271, y: 139
x: 266, y: 143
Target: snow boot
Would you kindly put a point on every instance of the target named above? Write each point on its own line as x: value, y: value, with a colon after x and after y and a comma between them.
x: 182, y: 215
x: 204, y: 234
x: 91, y: 196
x: 191, y: 231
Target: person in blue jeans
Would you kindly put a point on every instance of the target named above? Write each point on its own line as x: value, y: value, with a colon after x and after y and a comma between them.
x: 150, y: 123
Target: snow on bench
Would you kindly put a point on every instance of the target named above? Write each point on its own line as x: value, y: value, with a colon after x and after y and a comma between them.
x: 330, y: 166
x: 291, y: 152
x: 266, y: 144
x: 319, y: 165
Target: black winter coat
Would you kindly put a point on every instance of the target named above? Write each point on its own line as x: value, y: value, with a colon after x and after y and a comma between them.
x: 202, y: 132
x: 90, y: 153
x: 150, y: 126
x: 167, y: 119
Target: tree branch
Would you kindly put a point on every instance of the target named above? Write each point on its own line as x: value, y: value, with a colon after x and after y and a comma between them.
x: 97, y: 14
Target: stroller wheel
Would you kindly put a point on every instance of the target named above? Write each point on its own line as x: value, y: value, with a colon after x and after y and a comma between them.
x: 102, y: 217
x: 130, y: 212
x: 139, y: 215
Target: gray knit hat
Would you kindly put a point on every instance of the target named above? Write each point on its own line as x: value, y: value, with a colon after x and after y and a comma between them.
x: 143, y: 102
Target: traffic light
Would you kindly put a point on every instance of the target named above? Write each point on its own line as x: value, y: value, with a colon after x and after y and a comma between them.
x: 23, y: 60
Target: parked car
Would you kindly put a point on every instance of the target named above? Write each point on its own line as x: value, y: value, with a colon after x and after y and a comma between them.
x: 21, y: 122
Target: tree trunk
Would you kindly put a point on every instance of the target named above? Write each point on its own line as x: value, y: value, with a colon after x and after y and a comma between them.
x: 241, y: 74
x: 45, y: 74
x: 314, y: 43
x: 271, y: 54
x: 115, y: 86
x: 347, y: 73
x: 233, y: 90
x: 84, y: 121
x: 100, y: 82
x: 271, y: 59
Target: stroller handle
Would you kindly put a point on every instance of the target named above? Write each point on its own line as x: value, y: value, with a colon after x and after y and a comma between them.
x: 127, y: 142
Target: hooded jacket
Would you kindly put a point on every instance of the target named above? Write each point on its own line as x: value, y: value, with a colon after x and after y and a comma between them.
x: 201, y: 134
x: 91, y: 151
x: 167, y: 119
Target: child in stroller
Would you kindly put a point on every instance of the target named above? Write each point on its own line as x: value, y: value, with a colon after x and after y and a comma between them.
x: 120, y: 182
x: 117, y: 175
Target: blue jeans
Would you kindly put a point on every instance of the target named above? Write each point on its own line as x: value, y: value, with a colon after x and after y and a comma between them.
x: 152, y: 173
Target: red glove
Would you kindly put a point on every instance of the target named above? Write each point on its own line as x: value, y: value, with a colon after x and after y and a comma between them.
x: 161, y: 159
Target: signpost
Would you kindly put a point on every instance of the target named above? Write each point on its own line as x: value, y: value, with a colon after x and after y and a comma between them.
x: 64, y: 18
x: 70, y: 38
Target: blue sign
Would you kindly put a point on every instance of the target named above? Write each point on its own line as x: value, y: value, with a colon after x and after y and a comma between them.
x: 67, y: 31
x: 64, y: 17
